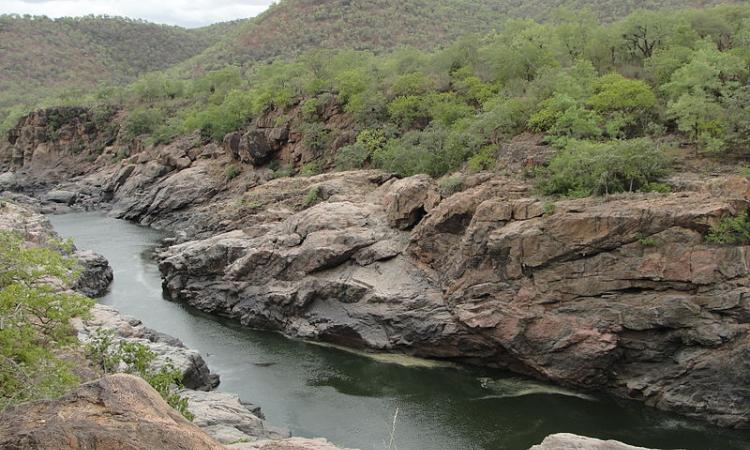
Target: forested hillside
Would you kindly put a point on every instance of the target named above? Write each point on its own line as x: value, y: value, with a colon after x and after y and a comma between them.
x: 292, y: 26
x: 606, y: 94
x: 41, y: 57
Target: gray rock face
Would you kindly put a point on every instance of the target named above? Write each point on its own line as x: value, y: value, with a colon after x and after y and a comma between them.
x: 487, y: 277
x: 333, y: 272
x: 257, y: 146
x: 225, y: 419
x: 96, y: 275
x: 60, y: 196
x: 565, y: 441
x: 410, y: 199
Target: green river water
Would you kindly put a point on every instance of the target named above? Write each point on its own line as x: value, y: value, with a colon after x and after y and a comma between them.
x: 351, y: 399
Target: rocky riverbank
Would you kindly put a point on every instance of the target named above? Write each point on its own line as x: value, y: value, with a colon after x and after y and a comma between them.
x: 621, y: 294
x: 123, y: 411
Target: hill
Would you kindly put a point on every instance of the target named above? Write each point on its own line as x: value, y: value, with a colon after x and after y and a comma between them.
x: 40, y: 57
x: 293, y: 26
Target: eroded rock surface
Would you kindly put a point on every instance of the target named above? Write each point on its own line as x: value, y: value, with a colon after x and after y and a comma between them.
x: 564, y: 441
x: 621, y: 294
x: 116, y: 412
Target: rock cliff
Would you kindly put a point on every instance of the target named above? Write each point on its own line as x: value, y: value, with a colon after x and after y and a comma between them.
x: 621, y: 294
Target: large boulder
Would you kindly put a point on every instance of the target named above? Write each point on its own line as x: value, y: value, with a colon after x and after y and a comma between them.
x: 116, y: 412
x: 96, y: 274
x: 564, y: 441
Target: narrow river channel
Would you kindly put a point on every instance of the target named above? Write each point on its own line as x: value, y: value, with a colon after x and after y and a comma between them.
x: 351, y: 399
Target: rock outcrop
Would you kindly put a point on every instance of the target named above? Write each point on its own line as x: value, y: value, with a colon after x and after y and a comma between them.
x: 621, y: 294
x: 96, y: 274
x: 116, y: 412
x: 196, y: 374
x: 564, y: 441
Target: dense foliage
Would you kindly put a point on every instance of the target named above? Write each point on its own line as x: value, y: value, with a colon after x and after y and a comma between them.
x: 35, y: 317
x: 293, y: 26
x: 605, y: 93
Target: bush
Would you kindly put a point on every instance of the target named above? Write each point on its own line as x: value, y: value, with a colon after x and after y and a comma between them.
x: 352, y: 157
x: 434, y: 151
x: 137, y: 359
x: 315, y: 136
x: 311, y: 169
x: 731, y: 231
x: 312, y: 197
x: 142, y: 121
x: 451, y: 185
x: 585, y: 168
x: 35, y: 320
x: 355, y: 156
x: 232, y: 172
x: 484, y: 160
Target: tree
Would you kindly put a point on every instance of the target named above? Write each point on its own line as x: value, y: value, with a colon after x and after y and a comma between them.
x: 35, y: 320
x: 645, y: 31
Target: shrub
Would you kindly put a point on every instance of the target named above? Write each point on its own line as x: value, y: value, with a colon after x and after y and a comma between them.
x: 355, y: 156
x: 484, y: 160
x: 142, y: 121
x: 585, y: 168
x: 137, y: 359
x: 430, y: 151
x: 731, y: 231
x: 311, y: 169
x: 312, y: 197
x: 232, y: 172
x: 35, y: 320
x: 451, y: 185
x: 315, y: 136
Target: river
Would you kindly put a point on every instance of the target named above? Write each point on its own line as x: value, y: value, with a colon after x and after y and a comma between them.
x: 351, y: 399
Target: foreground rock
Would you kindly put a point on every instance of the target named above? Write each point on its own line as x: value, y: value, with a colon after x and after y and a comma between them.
x: 116, y: 412
x: 572, y: 442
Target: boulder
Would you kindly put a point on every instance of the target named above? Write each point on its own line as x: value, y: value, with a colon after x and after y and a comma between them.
x: 96, y: 274
x: 564, y: 441
x: 407, y: 201
x: 168, y: 350
x: 116, y: 412
x: 61, y: 196
x: 227, y: 420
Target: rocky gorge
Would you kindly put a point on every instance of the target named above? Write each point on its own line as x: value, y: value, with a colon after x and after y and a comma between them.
x: 620, y: 294
x: 123, y: 411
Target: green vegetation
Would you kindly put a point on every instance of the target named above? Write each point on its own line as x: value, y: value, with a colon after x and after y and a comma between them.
x: 605, y: 93
x: 137, y: 359
x: 451, y: 185
x: 232, y: 171
x: 65, y: 58
x: 585, y: 168
x: 35, y: 329
x: 648, y: 241
x: 312, y: 197
x: 292, y: 27
x: 731, y: 231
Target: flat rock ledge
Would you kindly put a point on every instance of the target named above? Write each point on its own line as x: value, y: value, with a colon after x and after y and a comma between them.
x: 565, y: 441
